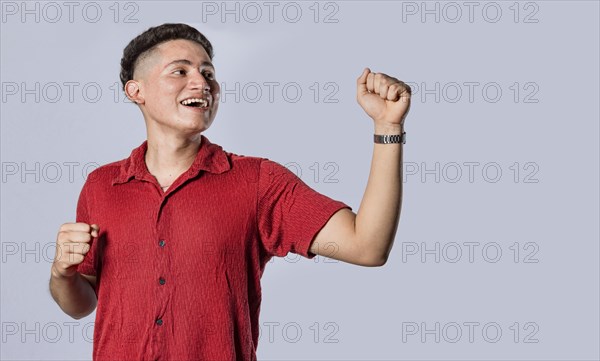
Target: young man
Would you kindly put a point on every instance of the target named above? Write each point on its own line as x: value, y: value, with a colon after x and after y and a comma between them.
x: 170, y: 243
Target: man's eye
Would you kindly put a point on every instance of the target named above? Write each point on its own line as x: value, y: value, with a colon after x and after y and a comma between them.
x: 180, y: 71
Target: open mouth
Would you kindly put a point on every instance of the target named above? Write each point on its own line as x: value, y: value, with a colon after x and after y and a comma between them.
x: 195, y: 103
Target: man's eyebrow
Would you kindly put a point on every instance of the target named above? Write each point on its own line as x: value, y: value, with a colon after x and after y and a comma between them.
x: 187, y: 62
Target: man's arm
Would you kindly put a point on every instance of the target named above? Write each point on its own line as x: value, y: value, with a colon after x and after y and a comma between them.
x: 75, y: 295
x: 366, y: 238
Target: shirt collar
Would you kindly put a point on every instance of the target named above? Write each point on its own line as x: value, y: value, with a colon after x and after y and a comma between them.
x: 211, y: 158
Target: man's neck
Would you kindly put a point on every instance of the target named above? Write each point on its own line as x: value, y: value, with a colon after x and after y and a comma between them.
x: 166, y: 160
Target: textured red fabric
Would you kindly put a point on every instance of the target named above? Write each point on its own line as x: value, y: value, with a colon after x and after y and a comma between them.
x: 178, y: 272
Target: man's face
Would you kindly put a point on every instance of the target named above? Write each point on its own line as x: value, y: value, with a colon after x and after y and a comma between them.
x: 178, y: 71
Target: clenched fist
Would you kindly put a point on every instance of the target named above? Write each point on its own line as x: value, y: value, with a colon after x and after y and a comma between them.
x: 72, y: 244
x: 384, y: 98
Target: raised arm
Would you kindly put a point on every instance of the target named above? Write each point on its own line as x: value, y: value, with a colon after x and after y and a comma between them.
x: 366, y: 238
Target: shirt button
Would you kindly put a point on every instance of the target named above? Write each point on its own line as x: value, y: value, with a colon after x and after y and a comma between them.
x: 159, y: 322
x: 161, y: 243
x: 161, y: 281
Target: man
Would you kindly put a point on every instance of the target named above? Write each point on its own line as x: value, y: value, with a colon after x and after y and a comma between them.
x: 170, y: 244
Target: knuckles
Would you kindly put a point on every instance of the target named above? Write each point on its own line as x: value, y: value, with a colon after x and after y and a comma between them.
x: 73, y: 236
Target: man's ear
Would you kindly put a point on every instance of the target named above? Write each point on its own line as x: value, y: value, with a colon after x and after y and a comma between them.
x: 132, y: 91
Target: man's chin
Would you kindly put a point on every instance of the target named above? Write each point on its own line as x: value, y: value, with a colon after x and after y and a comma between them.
x: 193, y: 127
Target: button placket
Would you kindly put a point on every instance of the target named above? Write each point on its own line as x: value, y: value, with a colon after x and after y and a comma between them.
x: 161, y: 244
x: 161, y: 280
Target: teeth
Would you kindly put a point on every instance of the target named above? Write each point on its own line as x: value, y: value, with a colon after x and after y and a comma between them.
x: 203, y: 102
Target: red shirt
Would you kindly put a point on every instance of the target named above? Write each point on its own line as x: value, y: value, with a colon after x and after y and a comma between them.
x: 178, y: 272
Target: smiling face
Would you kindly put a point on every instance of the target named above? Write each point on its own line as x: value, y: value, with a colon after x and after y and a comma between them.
x: 173, y: 72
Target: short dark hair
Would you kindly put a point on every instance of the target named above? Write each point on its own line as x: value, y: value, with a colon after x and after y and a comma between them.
x: 146, y: 41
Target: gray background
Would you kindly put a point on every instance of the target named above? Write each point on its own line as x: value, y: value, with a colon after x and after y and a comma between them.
x: 541, y: 212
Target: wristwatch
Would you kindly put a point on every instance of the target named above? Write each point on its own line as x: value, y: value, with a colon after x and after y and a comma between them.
x: 390, y: 138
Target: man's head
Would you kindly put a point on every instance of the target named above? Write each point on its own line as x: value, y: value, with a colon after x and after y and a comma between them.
x: 143, y: 45
x: 165, y: 66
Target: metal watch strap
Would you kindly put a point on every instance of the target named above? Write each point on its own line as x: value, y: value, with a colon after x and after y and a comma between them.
x: 390, y: 138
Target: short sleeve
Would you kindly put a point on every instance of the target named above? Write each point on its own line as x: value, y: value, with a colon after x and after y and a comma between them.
x: 290, y: 213
x: 87, y: 266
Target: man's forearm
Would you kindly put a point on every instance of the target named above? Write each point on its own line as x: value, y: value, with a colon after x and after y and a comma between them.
x: 379, y: 212
x: 74, y: 295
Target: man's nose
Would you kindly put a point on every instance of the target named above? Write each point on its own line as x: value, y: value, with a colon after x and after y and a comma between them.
x: 198, y: 81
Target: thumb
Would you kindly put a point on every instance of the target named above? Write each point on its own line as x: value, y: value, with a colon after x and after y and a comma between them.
x: 95, y: 229
x: 361, y: 82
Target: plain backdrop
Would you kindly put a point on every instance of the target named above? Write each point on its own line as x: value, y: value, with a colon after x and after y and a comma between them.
x: 496, y: 255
